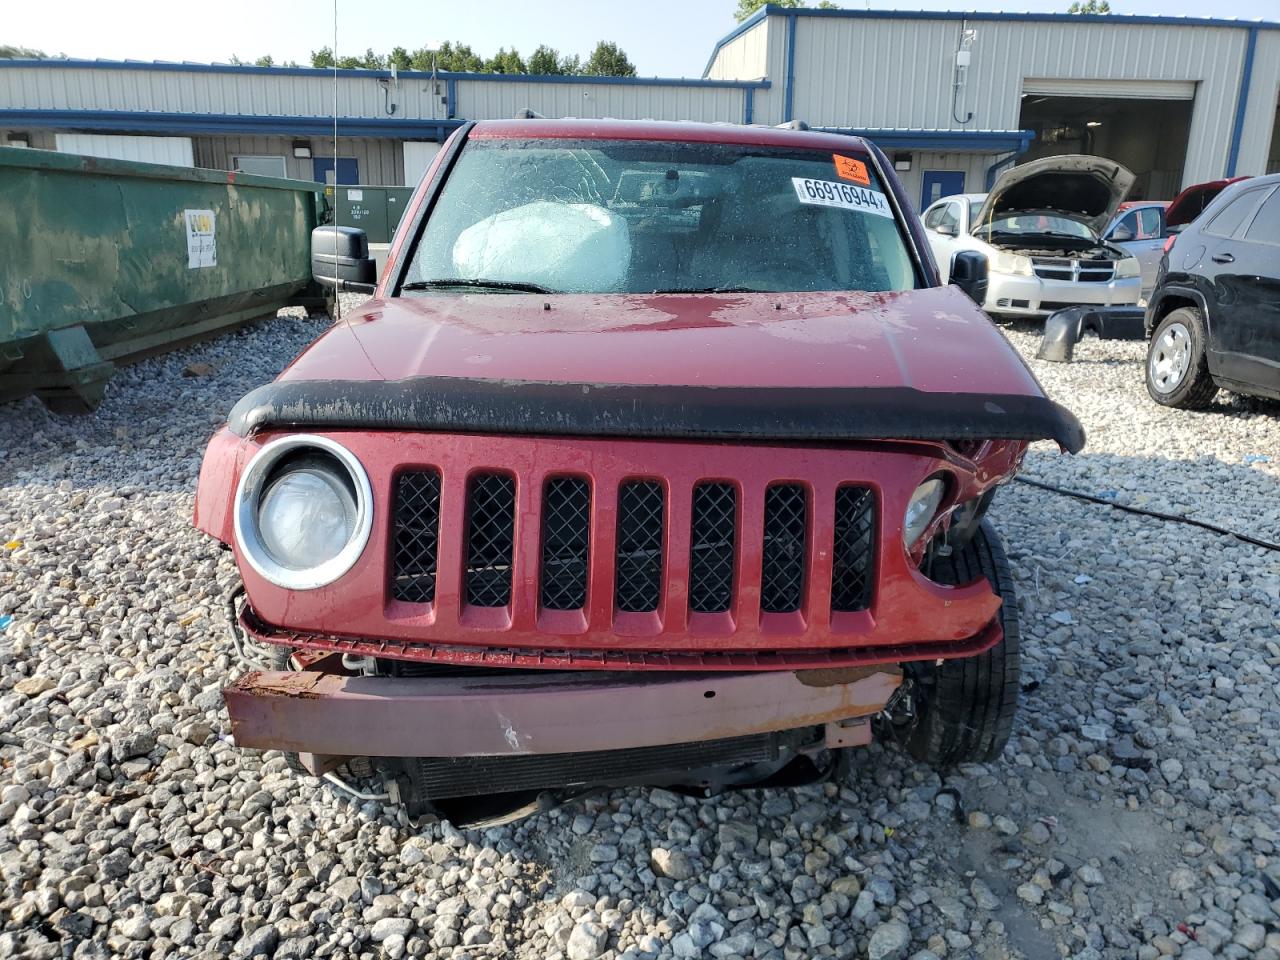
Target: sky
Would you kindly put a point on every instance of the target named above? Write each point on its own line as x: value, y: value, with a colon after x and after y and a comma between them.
x: 662, y: 37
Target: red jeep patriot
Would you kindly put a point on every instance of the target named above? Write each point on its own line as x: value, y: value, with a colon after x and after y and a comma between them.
x: 659, y: 456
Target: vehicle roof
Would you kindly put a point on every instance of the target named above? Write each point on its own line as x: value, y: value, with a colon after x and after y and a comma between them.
x: 671, y: 130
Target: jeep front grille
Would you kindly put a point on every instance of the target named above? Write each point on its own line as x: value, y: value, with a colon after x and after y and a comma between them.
x: 638, y: 571
x: 854, y: 557
x: 566, y: 532
x: 700, y: 565
x: 712, y: 547
x: 417, y: 536
x: 491, y: 516
x: 782, y: 573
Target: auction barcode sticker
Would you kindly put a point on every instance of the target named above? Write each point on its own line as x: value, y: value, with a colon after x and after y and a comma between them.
x: 829, y: 193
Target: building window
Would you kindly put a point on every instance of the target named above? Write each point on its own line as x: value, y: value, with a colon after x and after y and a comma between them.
x: 260, y: 166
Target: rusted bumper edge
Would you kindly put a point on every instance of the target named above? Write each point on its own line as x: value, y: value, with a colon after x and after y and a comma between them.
x: 329, y: 715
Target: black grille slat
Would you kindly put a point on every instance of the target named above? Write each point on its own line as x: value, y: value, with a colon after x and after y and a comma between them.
x: 853, y: 561
x: 712, y: 546
x: 566, y: 529
x: 782, y: 571
x: 417, y: 536
x: 638, y: 565
x: 491, y: 512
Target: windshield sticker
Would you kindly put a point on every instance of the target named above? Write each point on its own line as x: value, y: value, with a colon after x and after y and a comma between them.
x: 828, y: 193
x: 848, y: 168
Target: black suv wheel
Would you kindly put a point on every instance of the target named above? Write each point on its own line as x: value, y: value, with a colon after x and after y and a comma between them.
x: 1177, y: 362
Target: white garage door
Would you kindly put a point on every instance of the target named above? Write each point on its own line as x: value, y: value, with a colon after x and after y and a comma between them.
x: 1126, y: 89
x: 171, y: 150
x: 418, y: 155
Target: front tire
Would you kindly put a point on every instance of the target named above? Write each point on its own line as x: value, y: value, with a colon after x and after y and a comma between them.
x: 965, y: 707
x: 1178, y: 362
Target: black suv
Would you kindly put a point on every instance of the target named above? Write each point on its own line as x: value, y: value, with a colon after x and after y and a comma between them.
x: 1214, y: 318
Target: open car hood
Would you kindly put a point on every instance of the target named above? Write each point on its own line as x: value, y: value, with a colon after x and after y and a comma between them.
x: 1088, y: 190
x: 920, y: 364
x: 1190, y: 203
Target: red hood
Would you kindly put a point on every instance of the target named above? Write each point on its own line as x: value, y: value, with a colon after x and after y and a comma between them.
x: 934, y: 339
x: 1190, y: 203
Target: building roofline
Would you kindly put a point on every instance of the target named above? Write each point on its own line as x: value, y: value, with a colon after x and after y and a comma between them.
x: 195, y: 124
x: 1114, y: 19
x: 185, y: 67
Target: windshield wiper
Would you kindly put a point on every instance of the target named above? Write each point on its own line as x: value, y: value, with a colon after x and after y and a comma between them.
x: 517, y: 285
x: 712, y: 290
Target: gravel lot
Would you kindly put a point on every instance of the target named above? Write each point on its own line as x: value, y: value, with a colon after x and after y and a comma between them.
x: 1136, y: 812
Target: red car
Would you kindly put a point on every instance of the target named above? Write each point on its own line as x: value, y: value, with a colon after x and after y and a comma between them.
x: 659, y: 456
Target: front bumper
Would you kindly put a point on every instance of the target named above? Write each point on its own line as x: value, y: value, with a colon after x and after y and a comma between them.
x: 327, y: 717
x: 1034, y: 297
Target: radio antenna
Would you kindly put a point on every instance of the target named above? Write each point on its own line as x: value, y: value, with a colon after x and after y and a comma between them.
x: 337, y: 293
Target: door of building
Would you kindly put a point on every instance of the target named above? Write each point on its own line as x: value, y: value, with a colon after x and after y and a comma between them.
x: 940, y: 183
x: 348, y: 169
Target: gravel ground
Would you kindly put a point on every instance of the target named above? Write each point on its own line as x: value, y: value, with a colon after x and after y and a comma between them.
x: 1136, y: 813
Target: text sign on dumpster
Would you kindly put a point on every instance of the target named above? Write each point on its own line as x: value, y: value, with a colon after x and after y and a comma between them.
x: 202, y: 245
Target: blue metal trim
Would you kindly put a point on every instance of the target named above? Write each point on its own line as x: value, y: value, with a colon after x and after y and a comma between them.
x: 986, y: 141
x: 748, y: 105
x: 451, y: 97
x: 791, y: 66
x: 993, y: 171
x: 1242, y: 103
x: 55, y: 63
x: 733, y: 34
x: 187, y: 124
x: 1111, y: 19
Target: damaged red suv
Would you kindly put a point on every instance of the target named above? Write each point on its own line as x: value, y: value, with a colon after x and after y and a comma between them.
x: 659, y: 456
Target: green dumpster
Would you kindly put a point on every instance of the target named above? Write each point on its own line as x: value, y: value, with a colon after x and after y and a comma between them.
x: 106, y: 261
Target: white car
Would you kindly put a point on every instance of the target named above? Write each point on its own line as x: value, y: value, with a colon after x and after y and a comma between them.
x: 1040, y: 228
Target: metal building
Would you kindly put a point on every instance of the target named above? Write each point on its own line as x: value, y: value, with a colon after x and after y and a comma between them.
x: 953, y: 97
x: 957, y: 95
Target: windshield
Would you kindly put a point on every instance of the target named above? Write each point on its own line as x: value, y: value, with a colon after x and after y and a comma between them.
x: 1024, y: 224
x: 656, y: 216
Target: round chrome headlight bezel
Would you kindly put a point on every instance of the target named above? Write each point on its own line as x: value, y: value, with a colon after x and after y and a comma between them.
x: 260, y: 471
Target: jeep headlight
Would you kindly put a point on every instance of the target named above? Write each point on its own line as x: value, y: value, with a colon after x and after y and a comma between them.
x: 1013, y: 264
x: 1128, y: 267
x: 920, y: 510
x: 303, y: 512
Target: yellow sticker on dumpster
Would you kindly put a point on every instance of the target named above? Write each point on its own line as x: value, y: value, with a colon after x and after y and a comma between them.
x: 202, y: 243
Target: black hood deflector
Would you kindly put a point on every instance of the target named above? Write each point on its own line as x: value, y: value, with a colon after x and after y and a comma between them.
x: 784, y: 414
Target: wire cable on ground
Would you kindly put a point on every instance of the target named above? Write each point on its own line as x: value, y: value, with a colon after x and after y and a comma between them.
x: 1159, y: 515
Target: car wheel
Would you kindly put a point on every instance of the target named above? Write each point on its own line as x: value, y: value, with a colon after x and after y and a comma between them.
x: 1177, y: 362
x: 965, y: 707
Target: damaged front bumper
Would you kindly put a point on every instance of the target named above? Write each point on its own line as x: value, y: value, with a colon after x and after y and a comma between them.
x: 327, y: 717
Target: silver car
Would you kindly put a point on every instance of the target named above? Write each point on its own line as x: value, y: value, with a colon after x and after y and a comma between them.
x: 1040, y: 230
x: 1139, y: 230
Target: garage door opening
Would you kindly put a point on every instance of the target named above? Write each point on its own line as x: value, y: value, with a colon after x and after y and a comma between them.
x: 1147, y: 136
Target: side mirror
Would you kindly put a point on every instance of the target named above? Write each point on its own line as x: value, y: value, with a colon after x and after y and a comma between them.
x: 947, y: 229
x: 969, y: 273
x: 340, y: 259
x: 1121, y: 235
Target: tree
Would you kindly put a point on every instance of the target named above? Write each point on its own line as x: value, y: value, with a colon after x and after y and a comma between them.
x: 264, y: 61
x: 608, y: 60
x: 545, y: 60
x: 504, y: 62
x: 460, y: 58
x: 1090, y: 6
x: 828, y: 5
x: 322, y: 57
x: 401, y: 58
x: 748, y: 7
x: 9, y: 51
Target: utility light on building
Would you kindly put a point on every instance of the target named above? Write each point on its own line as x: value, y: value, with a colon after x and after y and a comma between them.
x: 302, y: 149
x: 1093, y: 123
x: 18, y: 140
x: 902, y: 162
